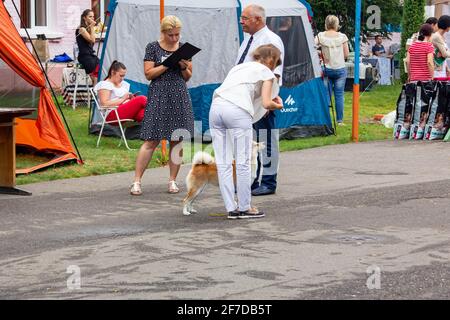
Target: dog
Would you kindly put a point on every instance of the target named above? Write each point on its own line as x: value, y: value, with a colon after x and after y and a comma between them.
x: 204, y: 172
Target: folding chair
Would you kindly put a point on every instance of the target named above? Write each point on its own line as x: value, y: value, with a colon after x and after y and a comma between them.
x: 80, y: 77
x: 104, y: 112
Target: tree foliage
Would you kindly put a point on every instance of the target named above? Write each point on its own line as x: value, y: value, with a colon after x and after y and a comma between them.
x: 391, y: 15
x: 413, y: 18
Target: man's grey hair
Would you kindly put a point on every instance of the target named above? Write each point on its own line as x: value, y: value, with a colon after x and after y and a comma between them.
x: 258, y: 11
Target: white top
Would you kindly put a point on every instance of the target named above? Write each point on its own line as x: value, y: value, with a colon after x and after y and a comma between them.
x: 242, y: 87
x: 441, y: 72
x: 115, y: 91
x: 332, y: 49
x: 263, y: 36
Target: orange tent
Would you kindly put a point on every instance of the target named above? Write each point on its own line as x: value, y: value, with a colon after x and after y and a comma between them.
x: 47, y: 133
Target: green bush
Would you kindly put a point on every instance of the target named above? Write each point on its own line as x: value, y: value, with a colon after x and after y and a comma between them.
x: 413, y: 18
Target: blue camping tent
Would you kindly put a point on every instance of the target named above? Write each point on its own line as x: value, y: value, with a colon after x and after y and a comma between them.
x: 214, y: 27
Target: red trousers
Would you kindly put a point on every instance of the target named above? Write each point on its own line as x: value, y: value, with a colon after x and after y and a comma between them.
x: 95, y: 72
x: 133, y: 109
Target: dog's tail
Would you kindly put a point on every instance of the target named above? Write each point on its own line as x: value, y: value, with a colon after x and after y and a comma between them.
x: 202, y: 158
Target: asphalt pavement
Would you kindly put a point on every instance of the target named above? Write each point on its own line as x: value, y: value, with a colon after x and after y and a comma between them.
x: 355, y: 221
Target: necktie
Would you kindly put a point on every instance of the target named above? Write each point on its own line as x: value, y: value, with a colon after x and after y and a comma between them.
x: 244, y: 54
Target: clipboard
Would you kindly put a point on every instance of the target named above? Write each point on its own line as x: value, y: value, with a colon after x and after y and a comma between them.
x: 186, y: 51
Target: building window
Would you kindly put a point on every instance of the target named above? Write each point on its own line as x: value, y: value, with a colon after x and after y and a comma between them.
x: 39, y: 17
x: 34, y: 13
x: 100, y: 7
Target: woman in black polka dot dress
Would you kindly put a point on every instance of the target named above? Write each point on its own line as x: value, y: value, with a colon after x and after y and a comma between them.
x: 168, y: 114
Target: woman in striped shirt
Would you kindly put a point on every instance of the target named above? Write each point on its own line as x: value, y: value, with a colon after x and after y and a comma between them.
x: 420, y: 56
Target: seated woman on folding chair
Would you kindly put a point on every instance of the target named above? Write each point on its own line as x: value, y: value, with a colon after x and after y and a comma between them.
x: 114, y: 91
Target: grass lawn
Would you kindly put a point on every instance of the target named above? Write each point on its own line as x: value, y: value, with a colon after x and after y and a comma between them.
x: 109, y: 158
x: 380, y: 100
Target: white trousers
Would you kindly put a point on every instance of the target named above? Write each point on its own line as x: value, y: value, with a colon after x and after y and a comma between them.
x: 232, y: 135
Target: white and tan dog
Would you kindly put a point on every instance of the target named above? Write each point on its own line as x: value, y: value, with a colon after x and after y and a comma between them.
x: 204, y: 172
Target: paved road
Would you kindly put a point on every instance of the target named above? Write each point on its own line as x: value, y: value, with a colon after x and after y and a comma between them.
x: 343, y: 217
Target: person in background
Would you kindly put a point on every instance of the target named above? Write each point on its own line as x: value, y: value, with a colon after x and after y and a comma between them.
x: 378, y: 49
x: 334, y: 47
x: 419, y: 58
x: 169, y: 113
x: 441, y: 51
x: 253, y: 22
x: 85, y: 38
x: 115, y: 92
x: 432, y: 21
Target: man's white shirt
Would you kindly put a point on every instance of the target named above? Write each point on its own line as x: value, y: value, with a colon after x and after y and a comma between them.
x: 262, y: 37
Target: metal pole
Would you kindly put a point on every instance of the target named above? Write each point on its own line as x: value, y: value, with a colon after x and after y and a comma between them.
x: 355, y: 121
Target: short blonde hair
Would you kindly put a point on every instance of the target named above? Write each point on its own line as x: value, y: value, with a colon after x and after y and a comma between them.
x: 169, y: 23
x: 332, y: 22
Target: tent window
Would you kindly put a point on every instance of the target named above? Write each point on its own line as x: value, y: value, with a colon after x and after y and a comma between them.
x: 99, y: 7
x: 34, y: 13
x: 298, y: 66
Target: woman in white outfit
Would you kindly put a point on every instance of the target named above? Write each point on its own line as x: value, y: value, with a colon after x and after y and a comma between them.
x: 249, y: 90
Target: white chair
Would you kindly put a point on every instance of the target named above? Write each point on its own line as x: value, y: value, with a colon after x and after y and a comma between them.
x: 104, y: 111
x: 81, y: 77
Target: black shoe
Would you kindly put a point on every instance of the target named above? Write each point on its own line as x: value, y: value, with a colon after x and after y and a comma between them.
x: 254, y: 186
x: 262, y: 191
x: 251, y: 215
x: 233, y: 214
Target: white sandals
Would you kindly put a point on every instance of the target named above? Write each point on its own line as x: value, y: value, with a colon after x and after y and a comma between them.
x: 136, y: 189
x: 173, y: 187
